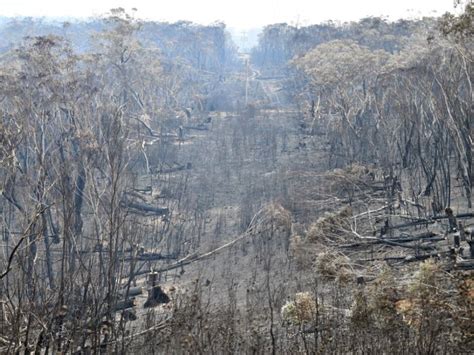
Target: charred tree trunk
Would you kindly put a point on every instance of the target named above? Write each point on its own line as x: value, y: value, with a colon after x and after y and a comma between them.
x: 47, y: 247
x: 78, y: 201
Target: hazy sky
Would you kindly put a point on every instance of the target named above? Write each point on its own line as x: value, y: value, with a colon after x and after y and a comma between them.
x: 235, y: 13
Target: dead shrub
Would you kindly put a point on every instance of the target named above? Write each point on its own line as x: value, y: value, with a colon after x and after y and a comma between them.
x: 300, y: 310
x: 333, y: 266
x: 331, y: 227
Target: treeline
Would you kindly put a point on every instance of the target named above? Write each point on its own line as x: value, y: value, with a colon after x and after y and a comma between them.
x: 201, y: 56
x: 202, y: 47
x: 395, y: 96
x: 280, y: 43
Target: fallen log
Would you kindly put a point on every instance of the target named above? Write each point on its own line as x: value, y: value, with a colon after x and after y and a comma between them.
x: 458, y: 216
x: 425, y: 235
x: 171, y: 170
x: 401, y: 245
x: 464, y: 265
x: 191, y: 258
x: 132, y: 292
x: 428, y: 239
x: 428, y: 236
x: 407, y: 259
x: 430, y: 220
x: 159, y: 211
x: 387, y: 258
x: 150, y: 257
x: 124, y: 304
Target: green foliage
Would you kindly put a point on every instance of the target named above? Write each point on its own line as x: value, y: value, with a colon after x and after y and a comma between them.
x: 462, y: 26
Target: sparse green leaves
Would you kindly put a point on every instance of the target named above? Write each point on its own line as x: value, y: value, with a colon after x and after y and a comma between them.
x: 341, y: 63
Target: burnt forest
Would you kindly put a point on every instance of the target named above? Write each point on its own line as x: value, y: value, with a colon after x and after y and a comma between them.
x: 164, y: 192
